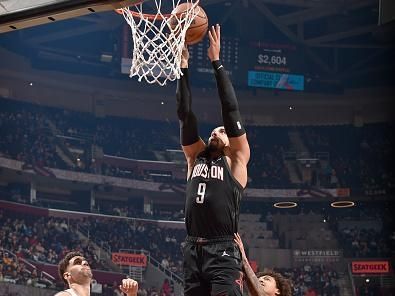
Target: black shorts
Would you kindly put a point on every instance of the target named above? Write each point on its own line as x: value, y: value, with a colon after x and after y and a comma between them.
x: 212, y: 267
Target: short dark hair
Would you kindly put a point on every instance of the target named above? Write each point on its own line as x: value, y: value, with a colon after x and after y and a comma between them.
x: 64, y: 263
x: 283, y: 285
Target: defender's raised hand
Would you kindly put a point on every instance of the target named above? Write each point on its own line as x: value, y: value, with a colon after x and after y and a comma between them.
x: 129, y: 287
x: 240, y: 244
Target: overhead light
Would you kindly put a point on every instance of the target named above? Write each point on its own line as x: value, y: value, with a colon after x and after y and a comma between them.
x: 342, y: 204
x: 31, y: 83
x: 285, y: 204
x: 106, y: 58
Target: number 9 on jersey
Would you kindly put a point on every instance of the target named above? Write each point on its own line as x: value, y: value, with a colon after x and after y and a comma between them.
x: 201, y: 191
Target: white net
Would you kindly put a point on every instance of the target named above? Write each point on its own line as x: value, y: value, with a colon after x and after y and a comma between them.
x: 158, y: 39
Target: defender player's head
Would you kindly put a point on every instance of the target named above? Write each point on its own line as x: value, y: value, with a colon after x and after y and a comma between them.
x: 274, y: 284
x: 74, y: 268
x: 218, y: 139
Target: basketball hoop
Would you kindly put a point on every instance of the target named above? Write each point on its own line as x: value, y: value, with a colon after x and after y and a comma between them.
x: 158, y: 40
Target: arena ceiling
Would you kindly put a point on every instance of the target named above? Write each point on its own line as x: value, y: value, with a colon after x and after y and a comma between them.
x: 341, y: 40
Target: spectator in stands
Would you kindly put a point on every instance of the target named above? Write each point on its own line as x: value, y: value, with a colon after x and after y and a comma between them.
x: 165, y: 263
x: 267, y: 283
x: 358, y: 156
x: 310, y: 292
x: 77, y: 276
x: 166, y: 288
x: 269, y: 220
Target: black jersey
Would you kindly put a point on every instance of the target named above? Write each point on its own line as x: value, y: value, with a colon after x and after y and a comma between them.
x: 212, y: 199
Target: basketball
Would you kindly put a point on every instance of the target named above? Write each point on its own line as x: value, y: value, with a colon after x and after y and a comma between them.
x: 198, y: 28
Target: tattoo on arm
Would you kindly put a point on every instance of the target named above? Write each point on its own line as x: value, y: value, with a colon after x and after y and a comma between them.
x: 254, y: 287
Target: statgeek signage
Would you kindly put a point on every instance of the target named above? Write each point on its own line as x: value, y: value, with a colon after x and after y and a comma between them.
x: 370, y: 267
x: 137, y: 260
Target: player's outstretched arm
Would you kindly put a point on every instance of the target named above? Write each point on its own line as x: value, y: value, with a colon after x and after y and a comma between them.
x: 254, y: 287
x: 231, y: 117
x: 191, y: 143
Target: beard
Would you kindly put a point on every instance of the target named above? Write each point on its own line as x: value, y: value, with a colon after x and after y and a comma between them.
x: 215, y: 145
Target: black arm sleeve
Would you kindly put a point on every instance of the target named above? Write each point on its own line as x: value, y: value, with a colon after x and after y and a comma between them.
x: 188, y: 124
x: 230, y: 107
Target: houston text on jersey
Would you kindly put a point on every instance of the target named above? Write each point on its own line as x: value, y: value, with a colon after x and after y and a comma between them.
x: 213, y: 172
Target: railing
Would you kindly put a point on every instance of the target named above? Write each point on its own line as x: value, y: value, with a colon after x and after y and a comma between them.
x: 156, y: 263
x: 93, y: 179
x: 76, y: 136
x: 62, y: 146
x: 293, y: 155
x: 387, y: 281
x: 323, y: 155
x: 135, y: 272
x: 354, y: 292
x: 169, y: 273
x: 103, y: 245
x: 289, y: 155
x: 135, y: 251
x: 29, y: 266
x: 44, y: 276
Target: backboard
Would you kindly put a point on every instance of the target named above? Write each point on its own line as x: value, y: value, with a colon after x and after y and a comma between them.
x: 20, y: 14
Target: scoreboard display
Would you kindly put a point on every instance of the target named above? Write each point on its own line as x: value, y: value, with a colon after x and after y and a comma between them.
x: 258, y: 64
x: 274, y: 65
x: 255, y: 64
x: 274, y: 57
x: 275, y: 80
x: 201, y: 64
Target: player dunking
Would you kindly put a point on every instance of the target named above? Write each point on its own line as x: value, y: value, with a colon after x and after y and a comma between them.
x: 217, y: 175
x: 76, y: 274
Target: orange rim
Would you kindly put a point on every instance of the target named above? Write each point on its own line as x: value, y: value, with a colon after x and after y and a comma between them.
x: 148, y: 15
